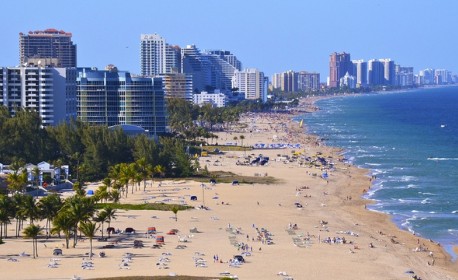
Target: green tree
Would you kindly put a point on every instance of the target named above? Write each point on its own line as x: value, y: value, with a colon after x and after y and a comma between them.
x: 5, y: 214
x: 89, y: 229
x: 175, y: 210
x: 32, y: 231
x: 48, y: 207
x: 110, y: 214
x: 63, y: 222
x: 101, y: 218
x: 242, y: 137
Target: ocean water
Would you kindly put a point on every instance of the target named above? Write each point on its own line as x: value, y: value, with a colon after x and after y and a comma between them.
x: 409, y: 140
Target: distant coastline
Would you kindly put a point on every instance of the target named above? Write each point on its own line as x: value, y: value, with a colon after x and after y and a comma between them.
x: 311, y: 102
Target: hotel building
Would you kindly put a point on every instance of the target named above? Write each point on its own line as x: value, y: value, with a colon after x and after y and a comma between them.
x: 50, y: 47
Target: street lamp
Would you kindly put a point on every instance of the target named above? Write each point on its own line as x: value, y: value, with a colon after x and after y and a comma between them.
x: 203, y: 194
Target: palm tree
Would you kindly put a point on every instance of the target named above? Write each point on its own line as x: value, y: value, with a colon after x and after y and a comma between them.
x: 242, y: 137
x: 124, y: 176
x: 29, y: 208
x: 48, y: 207
x: 144, y: 169
x: 235, y: 139
x: 175, y: 211
x: 5, y: 206
x: 132, y: 171
x: 89, y: 229
x: 79, y: 209
x: 110, y: 215
x: 115, y: 196
x: 32, y: 231
x: 63, y: 223
x: 16, y: 181
x: 101, y: 218
x: 101, y: 193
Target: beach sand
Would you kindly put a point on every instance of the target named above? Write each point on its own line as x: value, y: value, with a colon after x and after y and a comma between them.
x: 331, y: 208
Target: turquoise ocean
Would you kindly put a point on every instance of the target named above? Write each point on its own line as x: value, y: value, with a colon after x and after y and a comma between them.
x: 409, y: 141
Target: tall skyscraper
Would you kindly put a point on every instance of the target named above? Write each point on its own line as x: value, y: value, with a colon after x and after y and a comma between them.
x: 49, y: 91
x: 360, y: 72
x: 50, y: 47
x: 389, y: 72
x: 210, y: 70
x: 152, y: 54
x: 111, y: 97
x: 252, y: 82
x: 339, y: 65
x: 375, y: 72
x: 404, y: 76
x: 308, y: 81
x: 157, y: 57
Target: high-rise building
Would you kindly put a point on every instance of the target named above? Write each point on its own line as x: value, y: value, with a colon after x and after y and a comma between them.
x: 339, y: 65
x: 49, y: 91
x: 252, y: 82
x: 442, y: 76
x: 50, y: 47
x: 404, y: 76
x: 348, y: 81
x: 228, y: 57
x: 152, y: 54
x: 308, y: 81
x: 210, y: 70
x: 111, y: 97
x: 276, y: 80
x: 288, y: 81
x: 177, y: 85
x: 389, y: 72
x: 426, y: 76
x: 172, y: 59
x: 360, y: 72
x: 375, y: 72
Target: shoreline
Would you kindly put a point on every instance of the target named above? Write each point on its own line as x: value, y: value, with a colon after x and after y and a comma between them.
x: 303, y: 224
x: 452, y: 251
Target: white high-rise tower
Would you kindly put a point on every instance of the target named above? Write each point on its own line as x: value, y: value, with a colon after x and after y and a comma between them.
x: 152, y: 54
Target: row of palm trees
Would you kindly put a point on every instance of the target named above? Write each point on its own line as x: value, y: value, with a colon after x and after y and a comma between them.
x: 76, y: 213
x: 60, y: 217
x: 123, y: 175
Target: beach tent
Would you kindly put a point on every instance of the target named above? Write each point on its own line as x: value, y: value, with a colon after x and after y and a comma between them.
x: 235, y: 182
x: 129, y: 230
x: 90, y: 192
x: 151, y: 230
x: 110, y: 230
x: 160, y: 239
x: 193, y: 197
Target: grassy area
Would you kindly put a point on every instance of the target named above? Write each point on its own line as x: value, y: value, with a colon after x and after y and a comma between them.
x: 229, y: 177
x: 144, y: 206
x: 227, y: 148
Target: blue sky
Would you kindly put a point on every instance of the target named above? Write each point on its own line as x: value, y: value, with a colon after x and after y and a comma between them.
x: 273, y: 36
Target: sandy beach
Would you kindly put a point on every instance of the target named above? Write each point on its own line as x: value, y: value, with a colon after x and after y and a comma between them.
x: 306, y: 225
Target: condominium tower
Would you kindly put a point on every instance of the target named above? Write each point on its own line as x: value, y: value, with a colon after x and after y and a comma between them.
x: 252, y: 82
x: 50, y: 47
x: 111, y: 97
x: 339, y: 65
x: 157, y: 57
x: 49, y: 91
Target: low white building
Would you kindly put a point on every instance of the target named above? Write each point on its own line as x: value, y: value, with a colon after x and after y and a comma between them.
x: 217, y: 99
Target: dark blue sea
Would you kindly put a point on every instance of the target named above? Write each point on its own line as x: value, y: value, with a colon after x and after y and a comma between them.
x: 409, y: 140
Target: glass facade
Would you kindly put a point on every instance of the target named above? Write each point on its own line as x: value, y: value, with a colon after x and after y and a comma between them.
x: 107, y: 97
